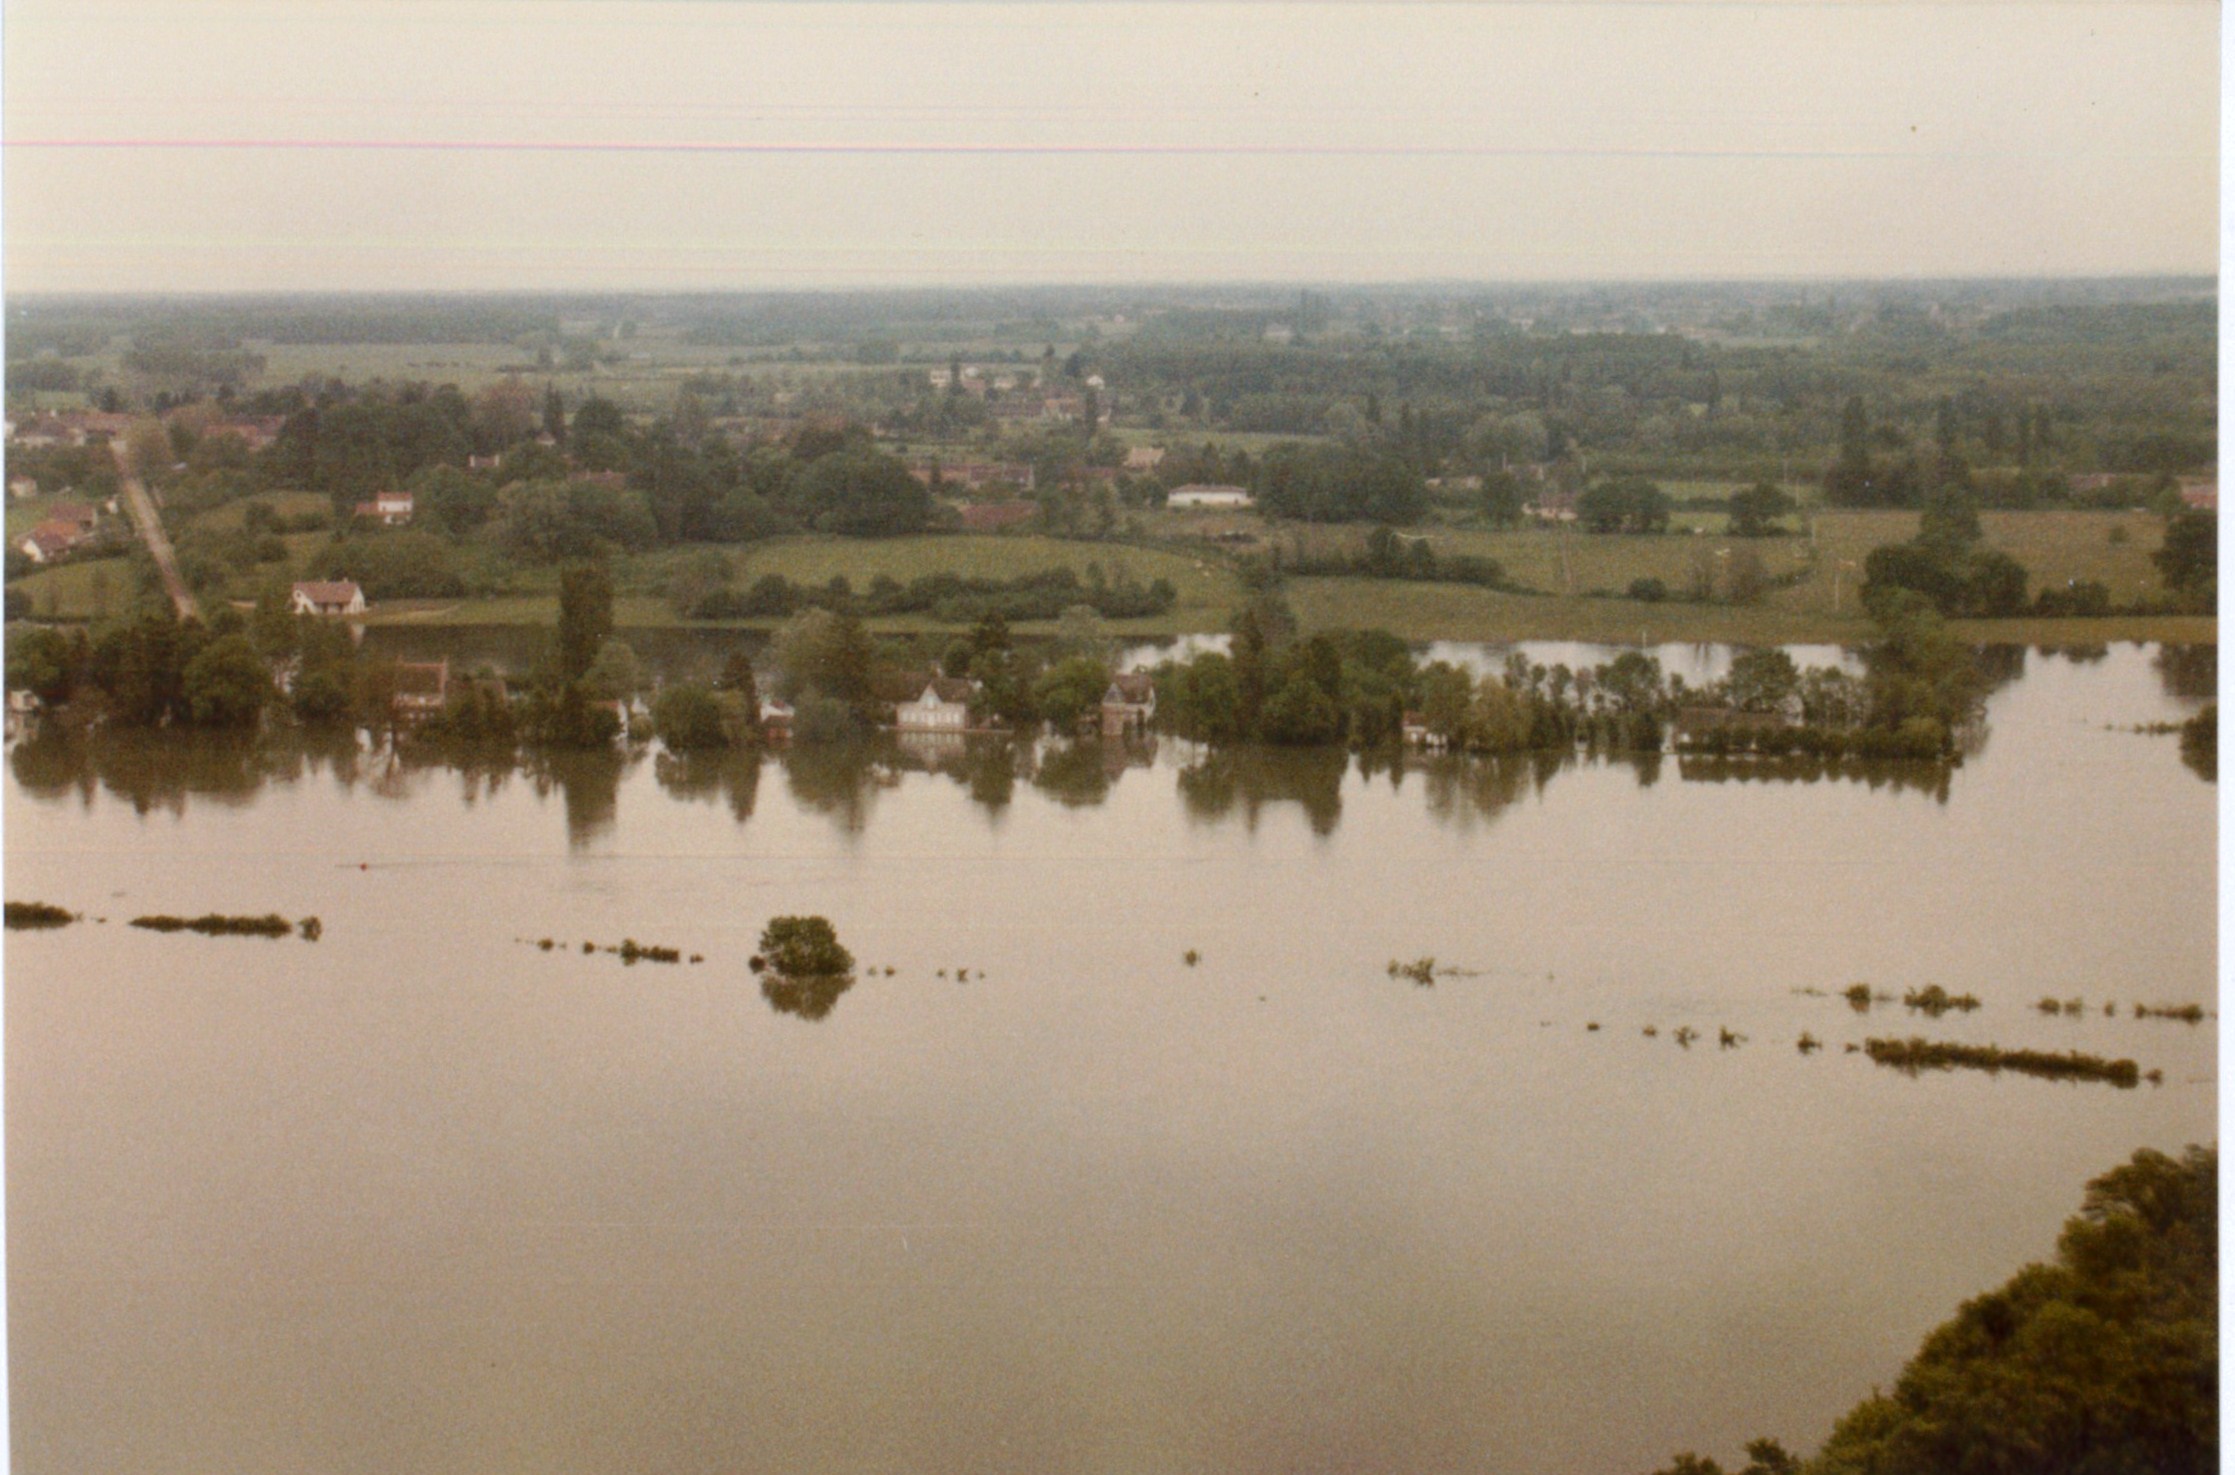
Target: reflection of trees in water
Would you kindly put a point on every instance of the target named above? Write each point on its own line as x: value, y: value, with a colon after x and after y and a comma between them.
x: 589, y: 786
x: 1899, y: 776
x: 1463, y: 791
x: 838, y: 779
x: 2188, y: 670
x: 734, y: 776
x: 1998, y: 666
x: 812, y: 997
x: 162, y: 770
x: 2078, y: 655
x: 1248, y: 779
x: 1072, y: 773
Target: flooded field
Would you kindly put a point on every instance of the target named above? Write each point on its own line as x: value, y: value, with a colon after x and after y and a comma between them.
x: 1125, y: 1150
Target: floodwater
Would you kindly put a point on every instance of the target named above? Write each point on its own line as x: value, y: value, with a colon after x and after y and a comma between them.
x: 423, y: 1196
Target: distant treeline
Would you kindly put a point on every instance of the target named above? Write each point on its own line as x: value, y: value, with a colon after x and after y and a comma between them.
x: 952, y: 598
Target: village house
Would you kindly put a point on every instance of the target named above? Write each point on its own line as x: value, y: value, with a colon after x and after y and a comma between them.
x: 75, y: 515
x: 22, y: 488
x: 323, y: 598
x: 971, y: 475
x: 943, y: 707
x: 389, y: 509
x: 256, y: 432
x: 1416, y: 732
x: 2200, y: 496
x: 1695, y: 724
x: 1129, y: 706
x: 483, y: 463
x: 1204, y: 496
x: 1551, y: 505
x: 422, y: 689
x: 49, y: 541
x: 776, y: 720
x: 1144, y: 458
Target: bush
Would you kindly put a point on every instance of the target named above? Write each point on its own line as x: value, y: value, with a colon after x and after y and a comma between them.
x: 689, y: 719
x: 1650, y: 591
x: 802, y: 947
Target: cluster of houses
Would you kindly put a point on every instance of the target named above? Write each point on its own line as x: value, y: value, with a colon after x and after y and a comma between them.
x: 1025, y: 396
x: 943, y: 707
x: 68, y: 526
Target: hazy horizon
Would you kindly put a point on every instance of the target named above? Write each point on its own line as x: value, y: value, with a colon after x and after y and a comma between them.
x: 489, y: 145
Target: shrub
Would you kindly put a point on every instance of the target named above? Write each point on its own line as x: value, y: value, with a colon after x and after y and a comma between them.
x: 803, y: 947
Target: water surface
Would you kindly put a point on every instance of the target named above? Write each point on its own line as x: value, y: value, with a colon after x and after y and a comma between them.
x: 423, y: 1196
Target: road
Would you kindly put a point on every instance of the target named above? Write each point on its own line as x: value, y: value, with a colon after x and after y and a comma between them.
x: 151, y: 532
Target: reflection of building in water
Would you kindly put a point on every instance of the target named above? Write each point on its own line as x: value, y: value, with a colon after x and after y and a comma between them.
x: 1133, y: 751
x: 935, y: 749
x: 422, y: 687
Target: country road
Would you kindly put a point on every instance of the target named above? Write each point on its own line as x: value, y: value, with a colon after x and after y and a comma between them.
x: 151, y: 531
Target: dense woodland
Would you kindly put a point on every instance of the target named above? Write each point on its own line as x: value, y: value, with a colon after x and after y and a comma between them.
x: 2105, y: 1360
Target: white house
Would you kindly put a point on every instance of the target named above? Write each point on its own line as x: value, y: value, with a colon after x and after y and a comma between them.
x: 943, y: 707
x: 339, y: 598
x: 390, y: 509
x: 1197, y: 494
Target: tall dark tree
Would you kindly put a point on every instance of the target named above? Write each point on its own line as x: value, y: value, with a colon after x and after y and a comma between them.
x: 585, y: 617
x: 2189, y: 560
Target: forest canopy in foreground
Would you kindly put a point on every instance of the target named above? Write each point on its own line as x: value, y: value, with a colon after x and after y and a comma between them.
x: 2106, y: 1360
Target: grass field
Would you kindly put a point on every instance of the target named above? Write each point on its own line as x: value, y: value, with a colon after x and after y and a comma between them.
x: 1206, y: 586
x: 286, y: 504
x: 2054, y: 546
x: 93, y: 589
x: 1208, y: 590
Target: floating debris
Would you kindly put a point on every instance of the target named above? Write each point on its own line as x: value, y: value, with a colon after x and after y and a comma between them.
x: 214, y: 925
x: 1592, y: 1026
x: 2185, y: 1013
x: 38, y: 914
x: 1685, y: 1034
x: 632, y: 951
x: 1726, y: 1039
x: 1914, y: 1055
x: 311, y: 928
x: 1809, y: 1042
x: 1652, y: 1031
x: 1936, y: 1001
x: 1859, y: 997
x: 698, y: 957
x: 1420, y: 970
x: 1191, y: 957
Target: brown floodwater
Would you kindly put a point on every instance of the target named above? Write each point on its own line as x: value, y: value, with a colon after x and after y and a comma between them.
x: 423, y: 1196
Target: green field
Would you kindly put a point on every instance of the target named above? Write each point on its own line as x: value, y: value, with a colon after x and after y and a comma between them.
x: 286, y: 504
x: 1208, y: 590
x: 92, y: 589
x: 2054, y: 546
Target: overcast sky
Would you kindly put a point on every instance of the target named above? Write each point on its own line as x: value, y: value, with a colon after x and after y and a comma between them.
x: 453, y: 144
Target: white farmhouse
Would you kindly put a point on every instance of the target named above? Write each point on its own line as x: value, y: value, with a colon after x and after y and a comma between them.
x: 943, y: 707
x: 315, y: 598
x: 1198, y: 494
